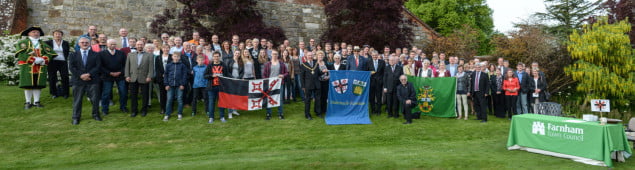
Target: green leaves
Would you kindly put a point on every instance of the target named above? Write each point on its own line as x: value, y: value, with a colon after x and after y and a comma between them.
x: 605, y: 61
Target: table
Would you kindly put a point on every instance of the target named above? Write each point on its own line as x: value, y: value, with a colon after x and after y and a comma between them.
x: 568, y: 137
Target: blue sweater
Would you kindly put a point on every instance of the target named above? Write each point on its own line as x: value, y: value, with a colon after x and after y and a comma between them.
x: 199, y: 76
x: 175, y: 74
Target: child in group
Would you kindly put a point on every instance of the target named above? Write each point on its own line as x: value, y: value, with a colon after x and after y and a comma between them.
x: 200, y: 83
x: 213, y: 71
x: 175, y: 79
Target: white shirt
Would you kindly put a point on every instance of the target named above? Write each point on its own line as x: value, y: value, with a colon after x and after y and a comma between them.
x: 35, y: 42
x: 336, y: 66
x: 59, y: 50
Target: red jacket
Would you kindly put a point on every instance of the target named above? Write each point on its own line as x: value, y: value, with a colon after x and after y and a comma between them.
x: 511, y: 85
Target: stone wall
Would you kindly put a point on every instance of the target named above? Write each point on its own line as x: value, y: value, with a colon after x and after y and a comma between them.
x: 300, y: 19
x: 74, y: 16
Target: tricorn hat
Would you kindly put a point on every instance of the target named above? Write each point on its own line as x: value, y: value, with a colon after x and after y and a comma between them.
x: 26, y: 32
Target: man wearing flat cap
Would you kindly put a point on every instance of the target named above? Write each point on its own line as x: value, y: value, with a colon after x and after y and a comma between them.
x: 33, y: 57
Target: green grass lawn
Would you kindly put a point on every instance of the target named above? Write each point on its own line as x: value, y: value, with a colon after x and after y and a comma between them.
x: 43, y: 138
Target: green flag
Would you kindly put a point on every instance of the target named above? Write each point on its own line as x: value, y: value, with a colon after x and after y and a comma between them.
x: 435, y: 96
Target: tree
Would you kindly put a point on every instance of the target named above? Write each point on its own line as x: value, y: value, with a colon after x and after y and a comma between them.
x: 606, y: 66
x: 373, y: 22
x: 618, y: 11
x: 568, y: 14
x: 445, y: 16
x: 463, y: 42
x: 532, y: 42
x: 222, y: 17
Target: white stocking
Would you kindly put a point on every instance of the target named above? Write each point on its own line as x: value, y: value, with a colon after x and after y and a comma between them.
x: 27, y: 94
x: 36, y: 95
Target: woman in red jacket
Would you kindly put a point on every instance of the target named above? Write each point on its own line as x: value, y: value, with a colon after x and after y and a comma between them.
x: 510, y: 86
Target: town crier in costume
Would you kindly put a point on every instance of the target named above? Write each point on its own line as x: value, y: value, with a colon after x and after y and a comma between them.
x: 33, y: 57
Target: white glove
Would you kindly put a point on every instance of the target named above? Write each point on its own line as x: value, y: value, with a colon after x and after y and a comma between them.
x: 39, y: 60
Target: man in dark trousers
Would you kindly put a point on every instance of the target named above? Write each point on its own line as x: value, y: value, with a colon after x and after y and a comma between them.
x: 84, y: 65
x: 113, y: 62
x: 311, y: 85
x: 391, y: 80
x: 376, y: 67
x: 406, y: 96
x: 480, y: 87
x: 138, y: 71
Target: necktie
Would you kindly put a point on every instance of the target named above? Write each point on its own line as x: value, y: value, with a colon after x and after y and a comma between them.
x: 84, y: 56
x: 125, y: 42
x: 478, y: 76
x: 356, y: 61
x: 393, y: 68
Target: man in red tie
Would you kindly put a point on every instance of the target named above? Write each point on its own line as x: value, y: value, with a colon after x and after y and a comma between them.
x: 356, y: 62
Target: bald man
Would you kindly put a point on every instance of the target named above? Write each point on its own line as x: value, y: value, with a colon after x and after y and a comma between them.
x: 113, y: 62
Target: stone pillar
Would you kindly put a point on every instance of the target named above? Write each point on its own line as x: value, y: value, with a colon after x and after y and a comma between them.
x: 13, y: 16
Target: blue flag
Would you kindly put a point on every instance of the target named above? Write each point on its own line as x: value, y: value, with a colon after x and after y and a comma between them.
x: 348, y: 98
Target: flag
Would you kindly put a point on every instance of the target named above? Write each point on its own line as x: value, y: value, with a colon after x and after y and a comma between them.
x: 435, y: 96
x: 348, y: 97
x: 249, y: 94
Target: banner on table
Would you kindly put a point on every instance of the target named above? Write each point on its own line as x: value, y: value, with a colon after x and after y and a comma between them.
x: 348, y: 98
x: 249, y: 94
x: 435, y: 96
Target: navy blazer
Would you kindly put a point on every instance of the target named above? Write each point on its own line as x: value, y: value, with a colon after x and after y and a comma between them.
x: 77, y: 68
x: 363, y: 66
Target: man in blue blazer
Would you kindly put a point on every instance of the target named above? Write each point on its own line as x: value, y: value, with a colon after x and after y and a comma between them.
x: 84, y: 65
x: 356, y: 62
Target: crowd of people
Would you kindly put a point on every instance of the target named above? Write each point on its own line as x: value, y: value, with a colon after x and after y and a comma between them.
x: 188, y: 72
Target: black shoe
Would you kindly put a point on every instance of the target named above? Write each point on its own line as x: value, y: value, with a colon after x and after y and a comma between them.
x: 37, y: 104
x: 134, y: 114
x: 27, y: 105
x: 75, y: 121
x: 407, y: 123
x: 65, y: 96
x: 268, y: 118
x: 125, y: 110
x: 281, y: 117
x: 389, y: 116
x: 54, y: 96
x: 483, y: 121
x: 143, y: 114
x: 309, y: 118
x: 162, y: 112
x: 97, y: 118
x: 105, y: 113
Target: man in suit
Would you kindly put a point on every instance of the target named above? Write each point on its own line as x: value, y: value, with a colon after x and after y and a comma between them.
x: 356, y: 62
x: 301, y: 48
x: 113, y: 62
x: 58, y: 64
x: 391, y: 80
x: 311, y: 85
x: 139, y: 70
x: 480, y: 87
x: 376, y: 67
x: 84, y: 65
x: 523, y: 79
x: 188, y: 57
x: 122, y: 41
